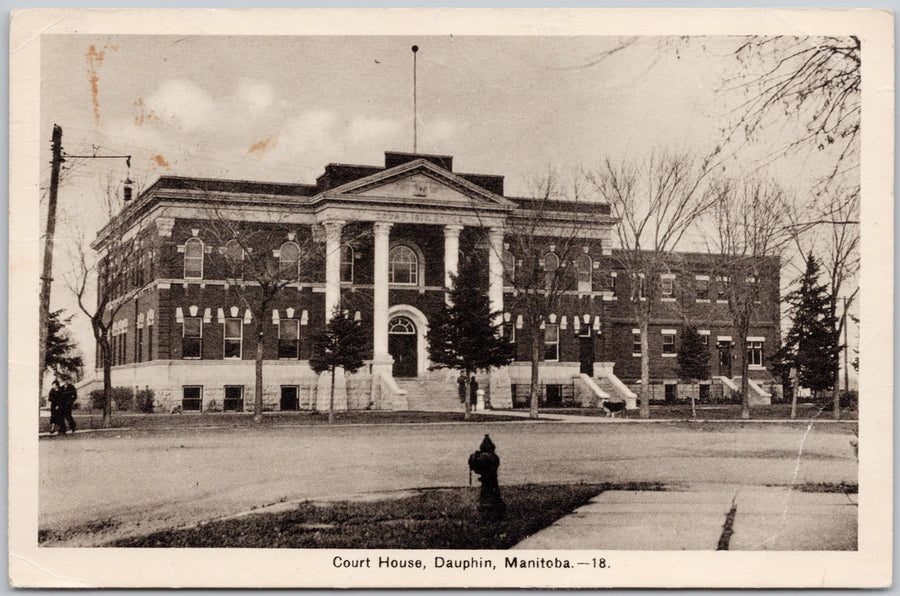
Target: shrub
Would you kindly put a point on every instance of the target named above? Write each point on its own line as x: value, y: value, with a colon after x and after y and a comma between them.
x: 145, y: 400
x: 122, y: 396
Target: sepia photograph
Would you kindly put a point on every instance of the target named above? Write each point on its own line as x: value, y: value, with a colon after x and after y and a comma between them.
x: 401, y: 298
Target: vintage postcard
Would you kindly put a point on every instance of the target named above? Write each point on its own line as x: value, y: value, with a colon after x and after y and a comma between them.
x: 417, y: 298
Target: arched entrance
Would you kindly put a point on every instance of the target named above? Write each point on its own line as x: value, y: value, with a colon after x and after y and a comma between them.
x: 403, y: 346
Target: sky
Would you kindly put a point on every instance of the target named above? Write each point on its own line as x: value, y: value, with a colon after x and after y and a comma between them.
x: 278, y: 109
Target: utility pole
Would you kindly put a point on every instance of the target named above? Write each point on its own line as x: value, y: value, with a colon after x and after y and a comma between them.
x: 415, y: 49
x: 46, y: 276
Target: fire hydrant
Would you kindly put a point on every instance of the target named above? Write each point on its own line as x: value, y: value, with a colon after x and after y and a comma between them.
x: 485, y: 463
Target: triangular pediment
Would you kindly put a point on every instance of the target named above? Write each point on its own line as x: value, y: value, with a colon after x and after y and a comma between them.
x: 421, y: 182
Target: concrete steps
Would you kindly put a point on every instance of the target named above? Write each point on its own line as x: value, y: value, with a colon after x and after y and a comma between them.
x: 431, y: 394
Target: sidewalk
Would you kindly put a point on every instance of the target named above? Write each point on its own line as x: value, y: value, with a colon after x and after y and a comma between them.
x: 706, y: 517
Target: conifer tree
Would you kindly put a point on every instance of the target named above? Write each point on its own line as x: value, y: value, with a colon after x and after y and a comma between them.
x: 465, y: 334
x: 62, y: 358
x: 811, y: 345
x: 340, y: 344
x: 693, y: 359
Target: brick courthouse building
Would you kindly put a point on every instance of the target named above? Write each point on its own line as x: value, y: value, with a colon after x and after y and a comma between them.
x: 389, y: 237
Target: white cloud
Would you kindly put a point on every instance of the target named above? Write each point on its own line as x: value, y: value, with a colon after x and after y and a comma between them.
x: 364, y: 129
x: 183, y: 104
x: 254, y: 97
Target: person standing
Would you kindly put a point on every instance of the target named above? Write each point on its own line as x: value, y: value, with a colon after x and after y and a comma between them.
x: 69, y: 397
x: 57, y: 424
x: 461, y: 383
x: 473, y: 391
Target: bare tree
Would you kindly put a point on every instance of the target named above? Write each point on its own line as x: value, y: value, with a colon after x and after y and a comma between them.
x: 108, y: 270
x: 750, y: 232
x: 656, y: 203
x: 814, y: 81
x: 259, y: 260
x: 545, y: 235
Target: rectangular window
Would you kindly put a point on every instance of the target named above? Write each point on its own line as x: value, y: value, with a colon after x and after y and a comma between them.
x: 668, y: 344
x: 509, y: 331
x: 636, y: 343
x: 234, y: 333
x: 149, y: 342
x: 722, y: 293
x: 138, y: 344
x: 671, y: 394
x: 667, y: 287
x: 639, y: 289
x: 234, y: 398
x: 289, y: 339
x: 192, y: 337
x: 702, y: 285
x: 290, y: 398
x: 347, y: 255
x: 755, y: 353
x: 609, y: 282
x: 704, y: 393
x: 192, y: 398
x: 704, y: 338
x: 551, y: 342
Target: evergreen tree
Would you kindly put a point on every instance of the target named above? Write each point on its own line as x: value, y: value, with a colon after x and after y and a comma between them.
x: 693, y: 356
x: 465, y: 334
x: 62, y: 358
x: 811, y: 345
x: 340, y: 344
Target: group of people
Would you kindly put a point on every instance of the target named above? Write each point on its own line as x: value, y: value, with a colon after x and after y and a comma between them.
x: 62, y: 400
x: 473, y: 389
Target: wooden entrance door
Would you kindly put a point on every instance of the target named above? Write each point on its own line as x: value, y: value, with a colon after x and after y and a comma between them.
x: 725, y: 358
x: 403, y: 347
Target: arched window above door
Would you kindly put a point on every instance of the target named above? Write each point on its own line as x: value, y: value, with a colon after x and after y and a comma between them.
x: 404, y: 266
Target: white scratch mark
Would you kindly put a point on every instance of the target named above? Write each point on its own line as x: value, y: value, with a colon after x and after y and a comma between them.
x: 68, y: 581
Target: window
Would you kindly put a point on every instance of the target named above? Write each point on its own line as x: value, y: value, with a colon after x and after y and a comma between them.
x: 704, y: 393
x: 404, y: 266
x: 509, y: 269
x: 583, y: 266
x: 639, y: 290
x: 289, y: 339
x: 551, y: 342
x: 234, y: 259
x: 150, y: 341
x: 671, y: 392
x: 609, y: 282
x: 636, y: 342
x: 234, y: 398
x: 290, y: 397
x: 551, y: 264
x: 755, y: 353
x: 702, y: 285
x: 289, y: 259
x: 704, y: 338
x: 234, y: 332
x: 667, y: 286
x: 722, y: 294
x: 192, y: 398
x: 193, y: 259
x: 191, y: 337
x: 509, y: 331
x: 347, y: 264
x: 668, y: 344
x: 138, y: 344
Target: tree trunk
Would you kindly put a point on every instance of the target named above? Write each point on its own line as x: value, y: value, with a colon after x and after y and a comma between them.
x: 795, y: 384
x: 468, y: 396
x: 836, y: 389
x: 535, y: 374
x: 258, y: 365
x: 745, y: 370
x: 331, y: 399
x: 645, y: 367
x: 106, y: 357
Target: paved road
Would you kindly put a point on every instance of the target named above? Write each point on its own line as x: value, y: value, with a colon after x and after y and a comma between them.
x: 151, y: 480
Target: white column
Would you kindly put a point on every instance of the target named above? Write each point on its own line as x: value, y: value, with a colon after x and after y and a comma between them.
x: 380, y: 298
x: 451, y: 251
x: 332, y: 266
x: 495, y: 269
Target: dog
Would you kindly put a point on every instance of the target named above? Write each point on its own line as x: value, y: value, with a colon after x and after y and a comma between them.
x: 612, y: 408
x: 176, y: 409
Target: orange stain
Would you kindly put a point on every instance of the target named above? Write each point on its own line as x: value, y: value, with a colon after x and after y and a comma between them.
x: 144, y: 116
x: 261, y: 147
x: 160, y: 161
x: 95, y: 61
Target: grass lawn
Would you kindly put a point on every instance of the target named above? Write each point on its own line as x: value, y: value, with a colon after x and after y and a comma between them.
x: 430, y: 519
x: 719, y: 412
x: 93, y: 419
